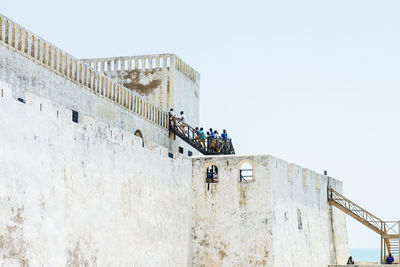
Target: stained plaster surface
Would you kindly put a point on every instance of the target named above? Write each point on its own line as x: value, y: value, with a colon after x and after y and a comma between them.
x: 87, y: 194
x: 256, y: 223
x: 25, y: 75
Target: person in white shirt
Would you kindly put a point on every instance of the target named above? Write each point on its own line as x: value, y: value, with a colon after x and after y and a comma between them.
x: 172, y: 116
x: 183, y: 122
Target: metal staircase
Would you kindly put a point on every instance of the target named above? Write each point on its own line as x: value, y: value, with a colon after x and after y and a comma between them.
x: 207, y: 146
x: 388, y: 230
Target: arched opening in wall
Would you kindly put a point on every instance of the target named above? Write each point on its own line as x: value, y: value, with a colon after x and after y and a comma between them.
x: 112, y: 66
x: 99, y: 67
x: 19, y: 39
x: 246, y: 172
x: 299, y: 222
x: 138, y: 133
x: 168, y: 61
x: 147, y: 63
x: 6, y: 32
x: 133, y: 64
x: 212, y: 174
x: 161, y: 62
x: 1, y: 29
x: 140, y: 63
x: 32, y: 46
x: 25, y: 43
x: 119, y: 65
x: 153, y: 63
x: 126, y: 64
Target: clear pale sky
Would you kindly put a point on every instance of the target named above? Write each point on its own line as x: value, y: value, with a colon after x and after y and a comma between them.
x: 313, y: 82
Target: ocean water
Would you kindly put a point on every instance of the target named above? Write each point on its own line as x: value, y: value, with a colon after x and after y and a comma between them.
x: 366, y: 254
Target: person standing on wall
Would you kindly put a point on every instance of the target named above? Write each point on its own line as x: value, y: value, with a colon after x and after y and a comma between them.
x: 172, y: 117
x: 198, y: 135
x: 202, y: 137
x: 182, y: 126
x: 224, y: 137
x: 217, y: 142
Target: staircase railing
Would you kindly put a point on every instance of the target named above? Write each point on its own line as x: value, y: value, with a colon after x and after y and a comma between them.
x: 388, y: 230
x: 206, y: 146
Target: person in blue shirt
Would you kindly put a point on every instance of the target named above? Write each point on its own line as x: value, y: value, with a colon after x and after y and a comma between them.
x: 390, y: 259
x: 224, y: 134
x: 197, y: 131
x: 224, y: 137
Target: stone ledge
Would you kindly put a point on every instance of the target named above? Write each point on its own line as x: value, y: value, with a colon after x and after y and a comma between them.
x: 364, y: 265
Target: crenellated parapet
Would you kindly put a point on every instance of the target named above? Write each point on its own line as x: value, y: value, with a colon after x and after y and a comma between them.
x: 22, y: 41
x: 145, y: 62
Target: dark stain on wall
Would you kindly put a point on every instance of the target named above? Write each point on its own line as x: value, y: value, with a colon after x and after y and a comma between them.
x: 132, y: 78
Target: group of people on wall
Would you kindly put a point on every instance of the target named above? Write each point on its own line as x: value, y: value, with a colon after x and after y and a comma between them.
x: 212, y: 141
x: 389, y: 260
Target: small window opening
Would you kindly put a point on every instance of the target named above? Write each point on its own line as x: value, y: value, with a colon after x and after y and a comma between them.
x: 246, y: 172
x: 299, y: 222
x: 168, y: 62
x: 2, y: 92
x: 190, y: 153
x: 41, y: 107
x: 212, y: 174
x: 138, y: 133
x: 21, y: 100
x: 170, y: 155
x: 75, y: 116
x: 181, y: 150
x: 57, y: 113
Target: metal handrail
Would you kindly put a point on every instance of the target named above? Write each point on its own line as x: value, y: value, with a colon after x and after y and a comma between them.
x: 190, y: 135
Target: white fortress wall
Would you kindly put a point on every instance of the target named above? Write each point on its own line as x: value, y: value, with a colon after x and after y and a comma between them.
x: 29, y: 63
x: 87, y: 193
x: 186, y: 97
x: 303, y: 234
x: 257, y: 222
x: 232, y: 220
x: 186, y: 94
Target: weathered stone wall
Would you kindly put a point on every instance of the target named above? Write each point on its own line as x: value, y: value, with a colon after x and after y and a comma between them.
x: 232, y: 220
x: 306, y: 230
x: 164, y: 79
x: 87, y: 193
x: 25, y: 75
x: 281, y: 218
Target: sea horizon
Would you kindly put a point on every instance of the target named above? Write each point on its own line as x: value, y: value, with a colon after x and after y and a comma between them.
x: 366, y: 254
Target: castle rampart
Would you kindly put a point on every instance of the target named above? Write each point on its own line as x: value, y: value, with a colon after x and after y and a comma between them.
x: 87, y: 194
x: 145, y: 62
x: 162, y: 79
x: 34, y: 48
x: 268, y: 213
x: 78, y: 187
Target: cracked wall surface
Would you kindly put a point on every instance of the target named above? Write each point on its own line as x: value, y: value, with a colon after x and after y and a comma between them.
x: 87, y: 194
x: 282, y: 213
